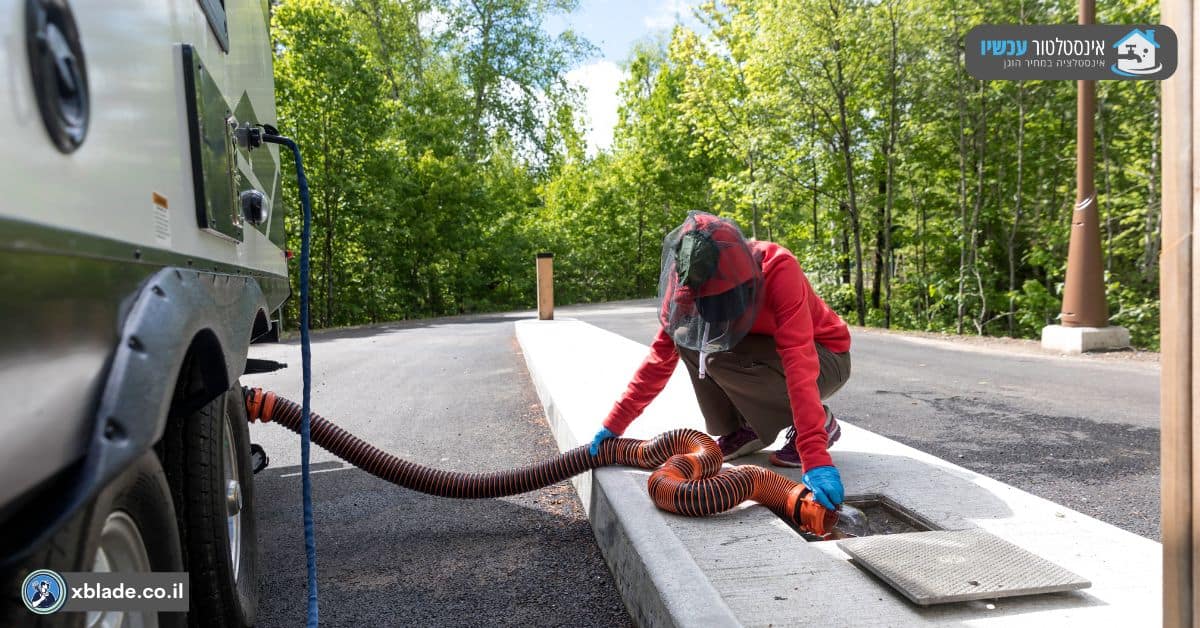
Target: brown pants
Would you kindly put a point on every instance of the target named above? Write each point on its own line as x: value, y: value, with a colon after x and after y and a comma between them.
x: 746, y: 386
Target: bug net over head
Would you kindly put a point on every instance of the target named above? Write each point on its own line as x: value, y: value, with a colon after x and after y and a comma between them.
x: 709, y: 284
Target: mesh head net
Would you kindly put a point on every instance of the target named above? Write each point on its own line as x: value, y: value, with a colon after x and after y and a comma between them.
x: 709, y: 284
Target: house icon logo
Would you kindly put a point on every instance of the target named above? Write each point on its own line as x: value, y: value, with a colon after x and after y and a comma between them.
x: 1137, y: 54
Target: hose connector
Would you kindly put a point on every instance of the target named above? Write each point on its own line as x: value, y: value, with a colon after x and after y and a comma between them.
x: 260, y: 405
x: 809, y: 514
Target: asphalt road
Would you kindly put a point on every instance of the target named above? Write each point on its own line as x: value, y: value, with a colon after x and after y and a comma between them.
x: 453, y: 394
x: 1078, y: 431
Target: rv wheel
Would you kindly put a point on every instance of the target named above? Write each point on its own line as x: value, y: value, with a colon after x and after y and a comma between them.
x: 128, y: 527
x: 211, y: 472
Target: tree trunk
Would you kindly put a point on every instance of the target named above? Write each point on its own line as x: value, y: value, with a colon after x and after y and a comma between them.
x: 841, y: 89
x: 922, y: 271
x: 1017, y: 208
x: 1108, y: 224
x: 845, y: 257
x: 973, y: 234
x: 1058, y: 204
x: 890, y: 178
x: 753, y: 197
x: 962, y: 182
x: 385, y: 54
x: 327, y: 201
x: 816, y: 221
x: 877, y: 263
x: 880, y: 251
x: 638, y: 272
x: 479, y: 81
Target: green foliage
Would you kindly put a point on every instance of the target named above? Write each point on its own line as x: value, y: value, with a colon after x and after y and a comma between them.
x: 423, y: 126
x: 445, y: 149
x: 849, y: 131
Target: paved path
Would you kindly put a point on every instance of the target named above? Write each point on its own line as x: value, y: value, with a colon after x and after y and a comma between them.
x: 454, y: 394
x: 1080, y: 432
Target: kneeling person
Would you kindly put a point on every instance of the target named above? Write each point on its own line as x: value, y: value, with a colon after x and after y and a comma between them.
x: 763, y: 350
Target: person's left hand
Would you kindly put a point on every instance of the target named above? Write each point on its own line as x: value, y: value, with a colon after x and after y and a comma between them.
x: 601, y: 436
x: 826, y: 485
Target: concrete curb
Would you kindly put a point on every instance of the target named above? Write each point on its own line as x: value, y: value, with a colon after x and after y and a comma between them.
x: 747, y: 567
x: 659, y: 582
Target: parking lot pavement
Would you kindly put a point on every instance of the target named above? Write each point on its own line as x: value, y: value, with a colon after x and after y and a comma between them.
x: 450, y: 393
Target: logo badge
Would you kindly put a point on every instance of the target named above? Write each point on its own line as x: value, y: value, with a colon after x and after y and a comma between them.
x: 44, y: 592
x: 1075, y: 52
x: 1137, y: 54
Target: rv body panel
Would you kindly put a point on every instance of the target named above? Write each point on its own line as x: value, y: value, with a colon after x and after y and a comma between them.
x: 132, y: 178
x: 82, y: 232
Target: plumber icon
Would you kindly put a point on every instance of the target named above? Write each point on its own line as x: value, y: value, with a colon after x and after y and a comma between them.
x: 1137, y: 54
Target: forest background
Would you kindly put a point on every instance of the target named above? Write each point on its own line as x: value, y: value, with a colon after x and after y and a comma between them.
x: 445, y: 148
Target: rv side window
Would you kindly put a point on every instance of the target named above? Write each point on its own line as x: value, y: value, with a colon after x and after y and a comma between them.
x: 214, y: 10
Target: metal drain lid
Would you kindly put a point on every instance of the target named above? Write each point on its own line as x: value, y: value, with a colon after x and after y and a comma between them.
x: 958, y: 565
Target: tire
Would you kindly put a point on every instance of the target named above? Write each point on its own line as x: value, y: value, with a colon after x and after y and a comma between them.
x: 141, y: 496
x: 197, y: 448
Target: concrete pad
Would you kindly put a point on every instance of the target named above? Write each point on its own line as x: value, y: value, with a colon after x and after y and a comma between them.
x: 1084, y: 339
x: 747, y: 567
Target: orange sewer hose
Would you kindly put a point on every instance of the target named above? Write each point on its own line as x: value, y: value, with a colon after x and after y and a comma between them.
x: 688, y: 477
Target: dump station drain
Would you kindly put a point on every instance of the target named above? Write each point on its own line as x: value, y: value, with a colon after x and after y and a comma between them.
x: 872, y: 515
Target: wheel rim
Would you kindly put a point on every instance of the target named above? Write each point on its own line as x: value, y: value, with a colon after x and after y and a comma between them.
x: 121, y: 550
x: 233, y: 497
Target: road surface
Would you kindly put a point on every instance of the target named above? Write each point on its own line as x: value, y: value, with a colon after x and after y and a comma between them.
x: 453, y: 394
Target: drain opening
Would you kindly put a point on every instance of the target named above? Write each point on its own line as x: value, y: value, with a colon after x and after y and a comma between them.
x: 880, y: 515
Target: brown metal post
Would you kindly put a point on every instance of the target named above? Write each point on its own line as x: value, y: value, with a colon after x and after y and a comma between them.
x: 1177, y: 324
x: 1084, y: 303
x: 545, y: 286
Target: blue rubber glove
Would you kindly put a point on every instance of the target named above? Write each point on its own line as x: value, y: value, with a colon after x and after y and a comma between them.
x: 601, y: 436
x: 826, y: 485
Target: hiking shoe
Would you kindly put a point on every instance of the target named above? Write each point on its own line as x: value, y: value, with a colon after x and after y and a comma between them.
x: 788, y: 456
x: 743, y: 441
x: 832, y: 429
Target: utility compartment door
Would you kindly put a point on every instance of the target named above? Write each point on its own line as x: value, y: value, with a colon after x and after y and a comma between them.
x: 210, y: 134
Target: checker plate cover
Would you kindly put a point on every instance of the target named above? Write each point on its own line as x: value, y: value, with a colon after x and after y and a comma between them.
x: 957, y: 565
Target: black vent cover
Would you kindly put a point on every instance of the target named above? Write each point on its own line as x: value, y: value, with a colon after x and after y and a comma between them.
x: 58, y: 70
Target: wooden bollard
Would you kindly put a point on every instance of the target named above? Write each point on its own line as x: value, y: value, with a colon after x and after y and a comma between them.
x: 545, y: 286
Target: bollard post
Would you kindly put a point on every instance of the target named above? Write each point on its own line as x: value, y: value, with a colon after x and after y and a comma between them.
x: 545, y: 286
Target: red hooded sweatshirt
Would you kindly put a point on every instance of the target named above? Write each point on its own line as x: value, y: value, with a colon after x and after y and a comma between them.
x: 796, y: 317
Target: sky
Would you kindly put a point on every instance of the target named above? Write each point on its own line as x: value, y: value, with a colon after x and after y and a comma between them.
x: 613, y: 26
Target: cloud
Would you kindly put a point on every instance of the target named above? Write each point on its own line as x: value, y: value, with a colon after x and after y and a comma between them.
x: 668, y: 13
x: 601, y: 81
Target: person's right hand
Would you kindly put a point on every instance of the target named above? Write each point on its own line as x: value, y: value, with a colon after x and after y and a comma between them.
x: 601, y: 436
x: 826, y: 485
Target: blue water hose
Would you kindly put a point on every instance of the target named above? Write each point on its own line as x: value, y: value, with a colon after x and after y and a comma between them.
x: 310, y: 541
